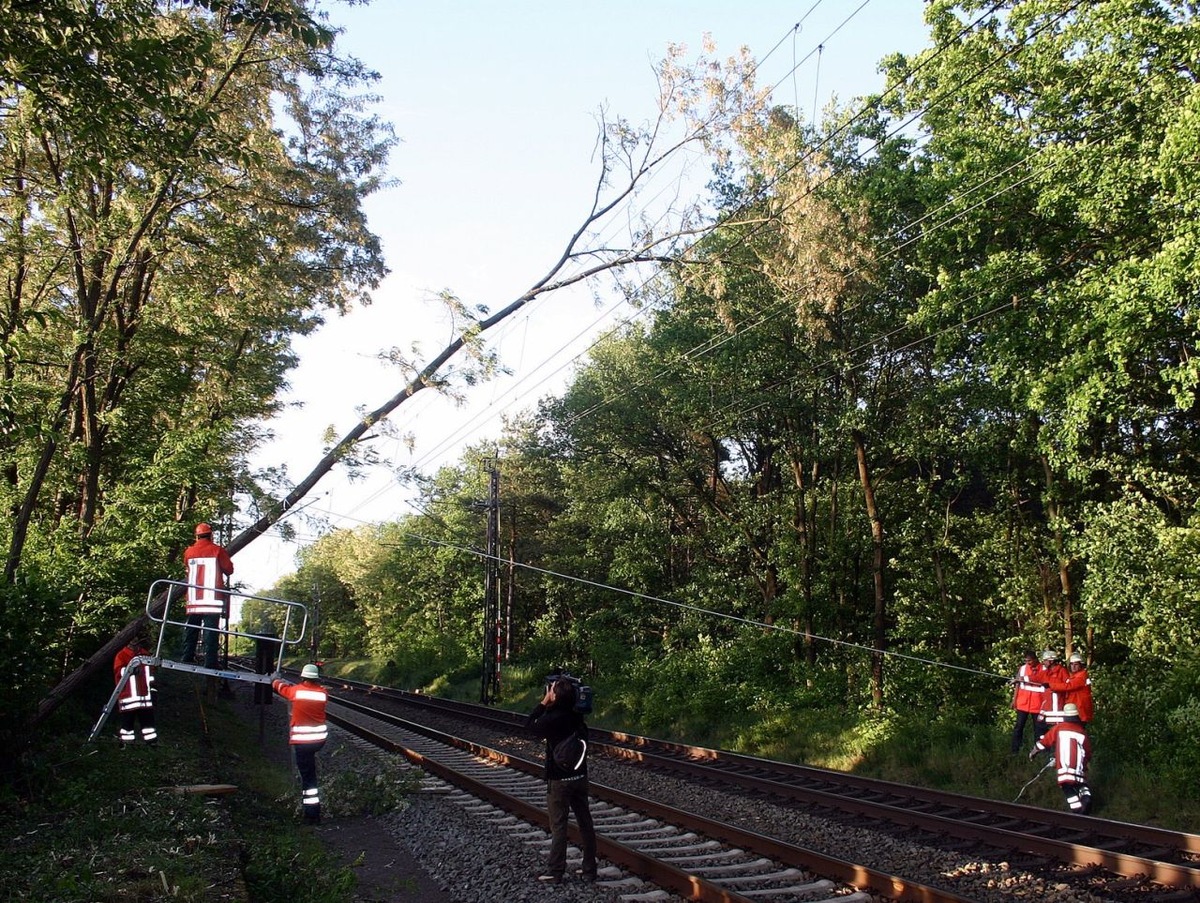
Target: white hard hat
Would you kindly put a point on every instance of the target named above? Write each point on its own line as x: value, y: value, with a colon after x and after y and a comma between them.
x: 1075, y: 657
x: 310, y: 672
x: 1071, y: 710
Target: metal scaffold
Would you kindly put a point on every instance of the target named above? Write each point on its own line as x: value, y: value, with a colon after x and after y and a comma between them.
x: 294, y: 617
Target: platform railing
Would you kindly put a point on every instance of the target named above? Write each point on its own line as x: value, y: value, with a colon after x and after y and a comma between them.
x: 291, y: 633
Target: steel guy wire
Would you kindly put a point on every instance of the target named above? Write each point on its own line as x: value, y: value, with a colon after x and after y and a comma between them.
x: 685, y: 606
x: 853, y: 119
x: 828, y: 139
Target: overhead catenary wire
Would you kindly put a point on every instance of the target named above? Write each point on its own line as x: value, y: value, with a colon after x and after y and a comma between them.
x: 723, y: 339
x: 719, y: 340
x: 760, y: 624
x: 784, y: 303
x: 487, y: 413
x: 685, y: 606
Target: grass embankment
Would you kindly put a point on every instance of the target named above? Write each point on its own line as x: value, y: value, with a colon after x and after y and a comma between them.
x: 93, y: 822
x: 945, y: 753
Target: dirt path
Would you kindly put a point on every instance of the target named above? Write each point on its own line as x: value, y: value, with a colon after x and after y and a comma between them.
x: 386, y: 870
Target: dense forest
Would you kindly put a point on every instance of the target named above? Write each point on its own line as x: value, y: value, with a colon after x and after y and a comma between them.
x: 921, y: 393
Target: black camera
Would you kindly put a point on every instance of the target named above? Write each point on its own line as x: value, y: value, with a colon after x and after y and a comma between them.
x: 583, y: 693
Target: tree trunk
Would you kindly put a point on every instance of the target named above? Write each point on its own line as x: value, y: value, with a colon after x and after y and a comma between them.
x: 1066, y: 589
x: 649, y: 250
x: 880, y: 622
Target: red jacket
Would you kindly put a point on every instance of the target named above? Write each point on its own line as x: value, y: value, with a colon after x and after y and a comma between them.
x: 1076, y: 687
x: 1053, y: 701
x: 1072, y: 749
x: 1028, y: 693
x: 308, y: 700
x: 208, y: 564
x: 136, y: 693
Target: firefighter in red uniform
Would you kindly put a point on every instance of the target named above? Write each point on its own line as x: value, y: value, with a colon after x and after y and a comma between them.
x: 1052, y: 671
x: 1076, y: 687
x: 1027, y: 697
x: 136, y: 703
x: 208, y: 567
x: 307, y: 733
x: 1068, y: 740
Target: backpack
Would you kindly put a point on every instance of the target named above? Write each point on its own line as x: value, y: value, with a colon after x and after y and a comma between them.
x: 570, y: 752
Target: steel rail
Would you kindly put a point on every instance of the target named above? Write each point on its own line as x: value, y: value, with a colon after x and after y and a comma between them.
x: 1148, y: 834
x: 659, y: 873
x: 1124, y: 864
x: 862, y: 877
x: 1128, y: 865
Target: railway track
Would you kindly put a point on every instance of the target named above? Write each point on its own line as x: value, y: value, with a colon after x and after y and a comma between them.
x: 680, y: 852
x: 1116, y: 860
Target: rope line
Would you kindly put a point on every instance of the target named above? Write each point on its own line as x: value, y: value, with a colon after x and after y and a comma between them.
x: 479, y: 553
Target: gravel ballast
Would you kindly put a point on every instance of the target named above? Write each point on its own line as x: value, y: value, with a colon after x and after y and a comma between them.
x: 475, y: 858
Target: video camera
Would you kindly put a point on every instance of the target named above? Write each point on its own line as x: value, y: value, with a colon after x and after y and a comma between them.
x: 583, y: 693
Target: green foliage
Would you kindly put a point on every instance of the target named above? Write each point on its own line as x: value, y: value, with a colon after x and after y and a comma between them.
x: 351, y: 792
x: 182, y: 196
x: 30, y: 620
x: 1141, y: 581
x: 95, y: 822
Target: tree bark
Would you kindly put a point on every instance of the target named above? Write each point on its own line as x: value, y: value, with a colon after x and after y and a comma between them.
x: 609, y: 261
x: 880, y: 621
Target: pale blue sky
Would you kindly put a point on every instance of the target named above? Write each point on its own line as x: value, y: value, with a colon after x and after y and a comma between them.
x: 495, y: 105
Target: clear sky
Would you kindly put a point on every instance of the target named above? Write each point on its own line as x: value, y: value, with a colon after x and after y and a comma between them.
x: 495, y: 105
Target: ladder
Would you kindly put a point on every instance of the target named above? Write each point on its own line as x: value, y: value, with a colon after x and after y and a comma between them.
x: 290, y: 634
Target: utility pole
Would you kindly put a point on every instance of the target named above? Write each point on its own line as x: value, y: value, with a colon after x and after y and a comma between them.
x: 489, y: 691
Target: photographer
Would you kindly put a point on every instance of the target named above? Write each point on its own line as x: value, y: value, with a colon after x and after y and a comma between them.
x: 565, y: 733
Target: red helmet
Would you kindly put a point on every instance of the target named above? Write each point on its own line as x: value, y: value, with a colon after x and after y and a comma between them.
x: 203, y: 530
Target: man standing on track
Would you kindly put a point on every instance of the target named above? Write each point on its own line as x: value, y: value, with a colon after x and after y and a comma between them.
x: 565, y: 733
x: 307, y: 733
x: 208, y: 568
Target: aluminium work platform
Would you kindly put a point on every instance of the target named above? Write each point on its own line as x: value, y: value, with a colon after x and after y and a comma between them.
x: 176, y: 591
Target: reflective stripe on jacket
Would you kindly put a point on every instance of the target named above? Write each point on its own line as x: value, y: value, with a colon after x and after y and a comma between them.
x: 308, y: 710
x: 1027, y: 696
x: 1052, y: 700
x: 207, y: 567
x: 1072, y: 749
x: 136, y: 692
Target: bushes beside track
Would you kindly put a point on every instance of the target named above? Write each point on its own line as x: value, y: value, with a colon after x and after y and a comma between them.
x: 1146, y: 736
x: 93, y: 822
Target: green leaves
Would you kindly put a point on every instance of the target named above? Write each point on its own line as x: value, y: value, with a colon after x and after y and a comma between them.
x: 182, y: 194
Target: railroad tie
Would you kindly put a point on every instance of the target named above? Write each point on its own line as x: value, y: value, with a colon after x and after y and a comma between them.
x: 804, y: 890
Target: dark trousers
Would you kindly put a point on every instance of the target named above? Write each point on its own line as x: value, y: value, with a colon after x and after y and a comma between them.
x: 1018, y: 734
x: 1079, y: 797
x: 1039, y: 726
x: 562, y: 798
x: 191, y: 634
x: 131, y: 718
x: 306, y: 764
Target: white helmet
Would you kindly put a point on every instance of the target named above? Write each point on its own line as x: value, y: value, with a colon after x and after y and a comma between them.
x: 310, y: 672
x: 1071, y: 710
